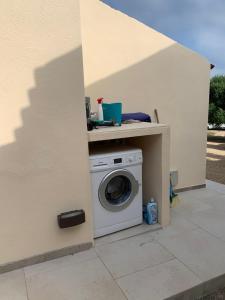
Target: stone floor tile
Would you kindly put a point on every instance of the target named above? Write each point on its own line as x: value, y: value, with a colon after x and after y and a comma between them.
x: 218, y: 187
x: 217, y: 203
x: 87, y: 280
x: 201, y: 252
x: 55, y: 264
x: 159, y: 282
x: 189, y: 205
x: 132, y: 254
x: 178, y: 225
x: 211, y: 220
x: 199, y: 194
x: 12, y: 286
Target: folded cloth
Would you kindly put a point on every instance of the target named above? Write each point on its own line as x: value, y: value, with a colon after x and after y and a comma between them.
x: 142, y: 117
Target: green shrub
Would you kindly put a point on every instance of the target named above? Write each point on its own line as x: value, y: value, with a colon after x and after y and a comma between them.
x: 217, y: 101
x: 216, y: 115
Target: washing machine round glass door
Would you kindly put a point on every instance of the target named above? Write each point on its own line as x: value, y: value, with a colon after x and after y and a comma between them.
x: 117, y: 190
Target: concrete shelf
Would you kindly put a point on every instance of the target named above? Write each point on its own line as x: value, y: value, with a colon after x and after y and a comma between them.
x: 125, y: 131
x: 154, y: 140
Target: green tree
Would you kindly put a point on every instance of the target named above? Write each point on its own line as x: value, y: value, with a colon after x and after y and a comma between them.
x: 216, y: 115
x: 217, y: 101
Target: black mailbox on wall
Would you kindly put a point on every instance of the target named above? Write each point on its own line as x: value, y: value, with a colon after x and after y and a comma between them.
x: 71, y: 218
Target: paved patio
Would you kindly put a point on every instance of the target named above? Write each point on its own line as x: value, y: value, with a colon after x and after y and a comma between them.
x: 215, y: 167
x: 138, y: 264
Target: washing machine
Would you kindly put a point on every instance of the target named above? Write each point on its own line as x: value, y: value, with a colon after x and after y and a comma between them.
x: 116, y: 176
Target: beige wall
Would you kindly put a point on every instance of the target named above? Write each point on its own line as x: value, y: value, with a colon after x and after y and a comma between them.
x: 43, y: 142
x: 128, y: 61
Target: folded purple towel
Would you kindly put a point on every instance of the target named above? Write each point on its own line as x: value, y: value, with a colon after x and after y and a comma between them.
x: 136, y: 116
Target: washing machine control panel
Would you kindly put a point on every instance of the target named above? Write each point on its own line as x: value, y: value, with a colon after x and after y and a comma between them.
x: 118, y: 160
x: 112, y: 161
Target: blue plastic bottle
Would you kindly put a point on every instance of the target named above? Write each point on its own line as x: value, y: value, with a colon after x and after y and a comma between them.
x: 151, y: 212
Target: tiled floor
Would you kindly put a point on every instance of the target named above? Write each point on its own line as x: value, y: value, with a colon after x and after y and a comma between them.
x: 136, y: 264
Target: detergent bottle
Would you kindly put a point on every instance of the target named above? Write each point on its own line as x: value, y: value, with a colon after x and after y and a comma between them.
x: 100, y: 110
x: 151, y: 212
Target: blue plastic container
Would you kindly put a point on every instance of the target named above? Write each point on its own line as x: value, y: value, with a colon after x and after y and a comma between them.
x: 150, y: 212
x: 112, y: 112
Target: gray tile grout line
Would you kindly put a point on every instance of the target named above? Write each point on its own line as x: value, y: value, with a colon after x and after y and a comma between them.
x: 110, y: 275
x: 213, y: 235
x: 68, y: 265
x: 188, y: 220
x: 200, y: 227
x: 174, y: 257
x: 142, y: 269
x: 202, y: 281
x: 156, y: 241
x: 24, y: 275
x: 203, y: 229
x: 128, y: 237
x: 148, y: 267
x: 197, y: 225
x: 199, y: 198
x: 145, y: 268
x: 181, y: 260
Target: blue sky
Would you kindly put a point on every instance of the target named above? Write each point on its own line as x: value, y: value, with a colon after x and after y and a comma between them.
x: 197, y: 24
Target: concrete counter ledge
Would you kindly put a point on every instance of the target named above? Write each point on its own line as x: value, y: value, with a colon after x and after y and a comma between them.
x: 126, y: 131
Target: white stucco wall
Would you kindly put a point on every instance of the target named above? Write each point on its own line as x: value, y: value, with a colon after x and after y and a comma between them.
x: 43, y: 142
x: 128, y: 61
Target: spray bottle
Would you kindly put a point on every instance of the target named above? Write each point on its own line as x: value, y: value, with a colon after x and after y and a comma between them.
x: 100, y: 110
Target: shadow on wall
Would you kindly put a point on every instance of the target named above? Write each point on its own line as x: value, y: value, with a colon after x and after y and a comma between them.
x: 38, y: 174
x: 175, y: 81
x: 163, y: 78
x: 44, y: 171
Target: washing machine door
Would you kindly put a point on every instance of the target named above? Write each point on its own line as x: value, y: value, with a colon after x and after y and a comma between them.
x: 117, y: 190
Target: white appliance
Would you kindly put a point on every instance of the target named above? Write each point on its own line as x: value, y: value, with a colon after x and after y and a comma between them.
x: 116, y: 177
